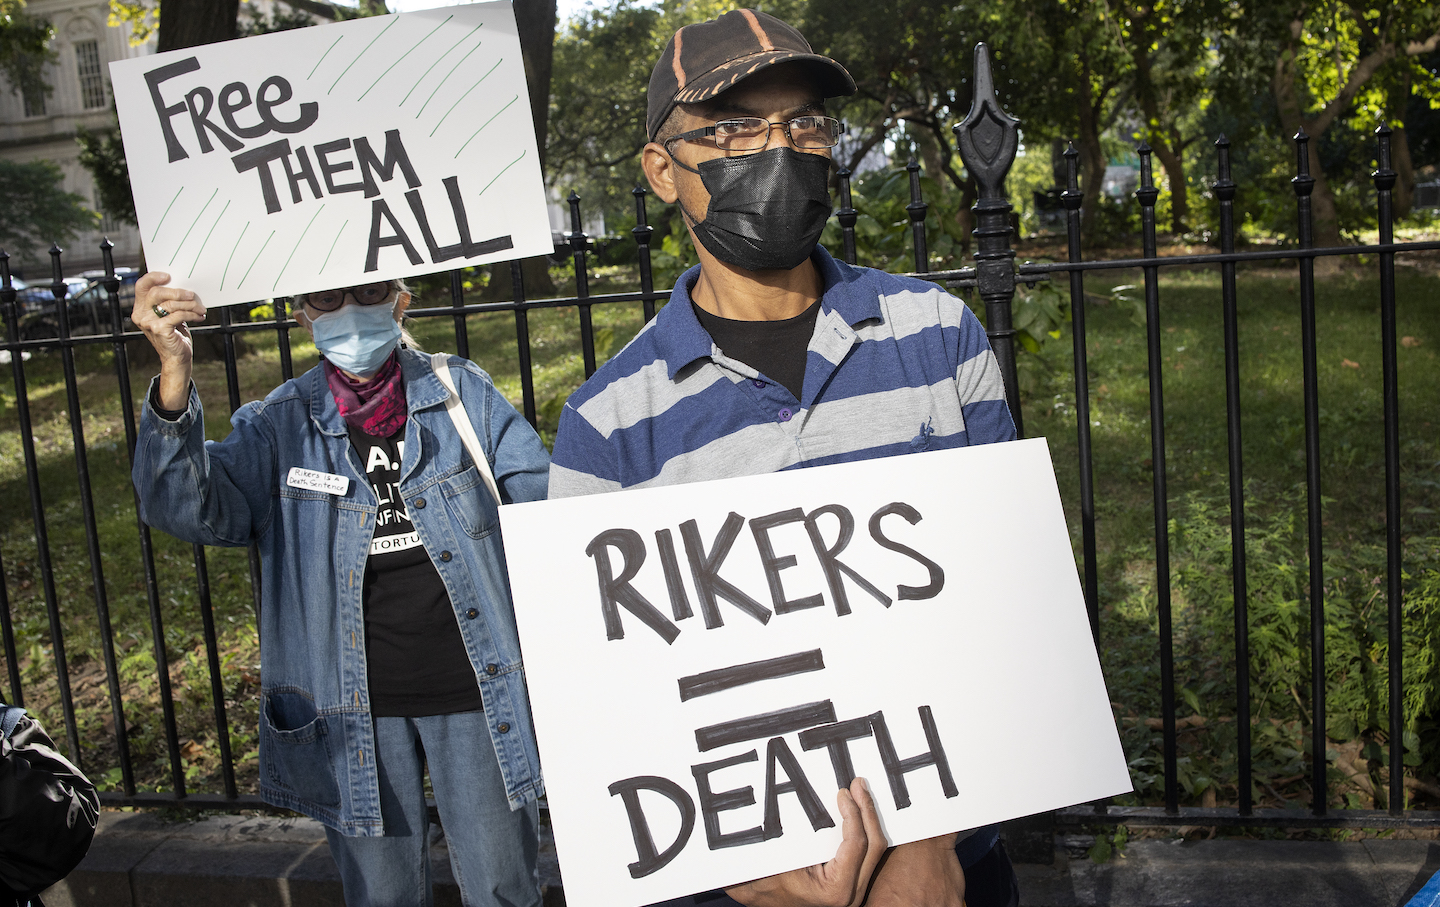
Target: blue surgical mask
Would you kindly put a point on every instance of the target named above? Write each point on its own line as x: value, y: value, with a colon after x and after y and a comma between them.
x: 357, y: 339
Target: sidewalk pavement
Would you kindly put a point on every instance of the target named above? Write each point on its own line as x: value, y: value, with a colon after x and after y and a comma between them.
x: 142, y: 860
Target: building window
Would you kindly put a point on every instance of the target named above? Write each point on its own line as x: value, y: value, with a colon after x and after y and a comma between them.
x: 35, y: 102
x: 92, y: 82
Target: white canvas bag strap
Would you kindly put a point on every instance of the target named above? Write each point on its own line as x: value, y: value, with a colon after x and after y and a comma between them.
x: 440, y: 362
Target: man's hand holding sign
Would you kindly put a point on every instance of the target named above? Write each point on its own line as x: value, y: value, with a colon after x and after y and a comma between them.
x: 843, y: 881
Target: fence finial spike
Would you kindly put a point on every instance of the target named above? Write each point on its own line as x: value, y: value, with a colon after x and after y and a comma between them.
x: 988, y: 137
x: 1223, y: 141
x: 984, y: 81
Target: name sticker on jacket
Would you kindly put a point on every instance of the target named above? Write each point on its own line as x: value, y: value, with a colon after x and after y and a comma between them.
x: 317, y: 481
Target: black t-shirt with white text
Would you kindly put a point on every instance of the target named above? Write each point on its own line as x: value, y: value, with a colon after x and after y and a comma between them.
x: 416, y: 661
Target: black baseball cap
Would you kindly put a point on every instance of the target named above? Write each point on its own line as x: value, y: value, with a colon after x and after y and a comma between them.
x: 703, y: 60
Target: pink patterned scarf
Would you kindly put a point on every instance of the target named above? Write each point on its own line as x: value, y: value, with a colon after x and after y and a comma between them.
x: 375, y: 406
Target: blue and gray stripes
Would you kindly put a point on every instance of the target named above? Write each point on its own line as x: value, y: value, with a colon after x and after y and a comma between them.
x: 895, y: 365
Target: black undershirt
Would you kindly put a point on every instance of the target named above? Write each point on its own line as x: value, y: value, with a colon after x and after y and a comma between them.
x: 415, y: 658
x: 775, y: 349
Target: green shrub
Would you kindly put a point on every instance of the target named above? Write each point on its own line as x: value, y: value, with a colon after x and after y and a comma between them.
x: 1356, y: 654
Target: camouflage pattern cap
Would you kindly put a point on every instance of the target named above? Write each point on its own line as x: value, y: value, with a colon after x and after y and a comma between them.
x: 705, y: 59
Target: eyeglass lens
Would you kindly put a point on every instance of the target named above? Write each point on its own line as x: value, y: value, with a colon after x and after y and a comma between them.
x: 753, y: 133
x: 330, y: 300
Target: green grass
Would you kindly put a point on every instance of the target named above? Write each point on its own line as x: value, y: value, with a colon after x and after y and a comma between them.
x: 1193, y: 369
x: 1348, y: 359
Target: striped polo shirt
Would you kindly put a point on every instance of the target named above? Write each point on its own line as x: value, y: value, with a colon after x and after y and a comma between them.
x: 895, y: 365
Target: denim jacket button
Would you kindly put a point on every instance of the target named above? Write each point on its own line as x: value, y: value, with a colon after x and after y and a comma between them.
x: 419, y: 503
x: 472, y: 614
x: 492, y: 669
x: 784, y: 415
x: 759, y: 383
x: 445, y: 556
x: 503, y: 728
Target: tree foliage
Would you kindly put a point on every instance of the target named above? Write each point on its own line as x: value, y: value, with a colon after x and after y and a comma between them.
x: 25, y: 50
x: 1345, y: 64
x: 103, y: 154
x: 602, y: 64
x: 1105, y: 74
x: 142, y: 17
x: 37, y: 211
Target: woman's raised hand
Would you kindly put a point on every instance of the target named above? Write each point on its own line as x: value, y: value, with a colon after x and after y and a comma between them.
x: 163, y: 313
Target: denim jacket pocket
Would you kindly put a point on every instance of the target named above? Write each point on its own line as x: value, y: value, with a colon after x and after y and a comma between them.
x: 471, y: 503
x: 296, y: 739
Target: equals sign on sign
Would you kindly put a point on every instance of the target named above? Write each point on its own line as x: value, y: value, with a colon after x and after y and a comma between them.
x: 818, y: 729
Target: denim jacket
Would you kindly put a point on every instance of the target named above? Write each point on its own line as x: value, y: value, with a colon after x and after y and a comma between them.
x: 317, y: 741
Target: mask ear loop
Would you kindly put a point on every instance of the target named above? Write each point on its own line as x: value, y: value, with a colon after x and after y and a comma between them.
x: 693, y: 221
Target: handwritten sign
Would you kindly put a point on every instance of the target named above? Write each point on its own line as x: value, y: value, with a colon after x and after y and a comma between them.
x: 334, y: 155
x: 709, y: 663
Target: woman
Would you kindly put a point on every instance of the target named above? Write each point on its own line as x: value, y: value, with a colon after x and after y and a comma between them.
x: 387, y: 635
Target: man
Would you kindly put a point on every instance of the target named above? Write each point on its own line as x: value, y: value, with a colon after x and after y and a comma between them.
x: 771, y: 355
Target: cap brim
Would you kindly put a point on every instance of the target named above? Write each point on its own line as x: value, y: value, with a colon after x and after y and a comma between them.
x: 833, y: 79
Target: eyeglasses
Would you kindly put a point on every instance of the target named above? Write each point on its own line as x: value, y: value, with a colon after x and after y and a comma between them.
x: 330, y: 300
x: 753, y: 133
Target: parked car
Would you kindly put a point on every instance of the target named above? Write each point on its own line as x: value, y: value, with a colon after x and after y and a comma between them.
x: 87, y: 303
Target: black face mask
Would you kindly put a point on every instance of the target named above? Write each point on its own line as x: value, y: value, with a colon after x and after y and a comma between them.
x: 767, y: 210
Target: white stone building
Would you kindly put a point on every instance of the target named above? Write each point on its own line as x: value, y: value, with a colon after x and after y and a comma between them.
x: 44, y: 128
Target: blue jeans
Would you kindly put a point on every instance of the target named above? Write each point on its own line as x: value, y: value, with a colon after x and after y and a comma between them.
x: 492, y: 850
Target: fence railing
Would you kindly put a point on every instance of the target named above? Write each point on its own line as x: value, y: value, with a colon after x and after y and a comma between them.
x: 987, y: 139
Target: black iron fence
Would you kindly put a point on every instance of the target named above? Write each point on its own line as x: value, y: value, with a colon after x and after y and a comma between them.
x: 987, y: 140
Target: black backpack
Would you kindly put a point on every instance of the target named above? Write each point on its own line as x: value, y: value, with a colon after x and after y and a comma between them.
x: 48, y: 810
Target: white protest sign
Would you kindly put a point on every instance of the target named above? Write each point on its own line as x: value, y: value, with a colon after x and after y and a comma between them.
x: 709, y: 663
x: 334, y: 155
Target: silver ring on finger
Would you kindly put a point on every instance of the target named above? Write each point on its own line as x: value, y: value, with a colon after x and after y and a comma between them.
x: 159, y: 310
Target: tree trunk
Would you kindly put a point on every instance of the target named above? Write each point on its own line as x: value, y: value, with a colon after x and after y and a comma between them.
x: 1324, y: 216
x: 1164, y: 138
x: 1403, y: 195
x: 1285, y: 86
x: 535, y: 20
x: 1174, y: 165
x: 1092, y: 161
x: 929, y: 152
x: 535, y: 273
x: 190, y: 23
x: 939, y: 154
